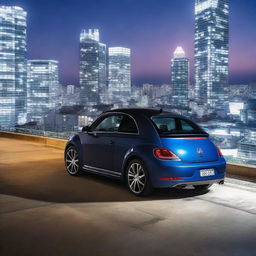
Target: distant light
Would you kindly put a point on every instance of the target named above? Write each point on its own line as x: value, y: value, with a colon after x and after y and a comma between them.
x: 205, y: 5
x: 229, y: 152
x: 235, y: 107
x: 119, y: 50
x: 219, y: 132
x: 179, y: 53
x: 92, y: 34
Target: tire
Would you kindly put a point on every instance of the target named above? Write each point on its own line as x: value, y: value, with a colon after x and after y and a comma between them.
x: 137, y: 178
x: 72, y: 161
x: 202, y: 187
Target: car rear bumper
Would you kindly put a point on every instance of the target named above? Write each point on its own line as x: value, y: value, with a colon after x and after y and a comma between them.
x: 200, y: 182
x: 172, y: 174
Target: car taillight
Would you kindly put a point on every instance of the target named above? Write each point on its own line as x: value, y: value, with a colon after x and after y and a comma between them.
x: 171, y: 178
x: 219, y: 151
x: 165, y: 154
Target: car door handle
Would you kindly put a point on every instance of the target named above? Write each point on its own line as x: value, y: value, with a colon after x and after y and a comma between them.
x: 112, y: 142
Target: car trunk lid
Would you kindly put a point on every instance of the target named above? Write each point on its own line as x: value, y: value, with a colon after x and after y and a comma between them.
x: 191, y: 149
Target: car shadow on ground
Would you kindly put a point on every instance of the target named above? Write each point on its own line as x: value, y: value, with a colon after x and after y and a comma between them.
x: 34, y: 181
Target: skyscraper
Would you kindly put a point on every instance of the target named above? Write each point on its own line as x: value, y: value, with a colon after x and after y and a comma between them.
x: 180, y: 78
x: 43, y: 87
x: 211, y: 51
x: 93, y: 74
x: 13, y: 66
x: 119, y: 74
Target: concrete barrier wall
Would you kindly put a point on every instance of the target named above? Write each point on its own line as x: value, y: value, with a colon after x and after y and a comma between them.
x: 52, y: 142
x: 248, y: 171
x: 233, y: 169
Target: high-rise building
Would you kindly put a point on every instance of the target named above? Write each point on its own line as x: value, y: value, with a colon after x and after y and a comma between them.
x: 12, y: 66
x: 211, y: 51
x: 119, y: 74
x: 43, y: 88
x: 93, y: 74
x: 180, y: 78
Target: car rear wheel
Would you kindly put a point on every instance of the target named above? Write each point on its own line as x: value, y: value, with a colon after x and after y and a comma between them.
x: 72, y: 161
x: 202, y: 187
x: 137, y: 178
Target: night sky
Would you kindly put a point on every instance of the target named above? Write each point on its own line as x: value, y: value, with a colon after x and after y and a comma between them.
x: 151, y: 28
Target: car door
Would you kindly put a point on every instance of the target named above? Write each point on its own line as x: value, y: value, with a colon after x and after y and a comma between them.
x: 99, y: 144
x: 126, y: 138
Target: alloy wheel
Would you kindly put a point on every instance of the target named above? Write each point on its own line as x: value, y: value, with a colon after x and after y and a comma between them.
x: 136, y: 178
x: 72, y: 162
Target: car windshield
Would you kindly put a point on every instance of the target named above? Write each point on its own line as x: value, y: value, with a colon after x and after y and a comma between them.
x: 176, y: 126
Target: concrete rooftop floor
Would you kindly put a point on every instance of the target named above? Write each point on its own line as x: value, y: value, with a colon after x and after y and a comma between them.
x: 44, y: 211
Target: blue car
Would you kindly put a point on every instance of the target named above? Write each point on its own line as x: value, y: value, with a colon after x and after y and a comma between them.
x: 146, y: 148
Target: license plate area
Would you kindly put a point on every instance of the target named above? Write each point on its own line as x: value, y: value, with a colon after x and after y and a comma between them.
x: 207, y: 172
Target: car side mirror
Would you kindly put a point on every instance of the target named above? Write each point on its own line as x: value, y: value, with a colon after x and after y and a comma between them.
x: 85, y: 128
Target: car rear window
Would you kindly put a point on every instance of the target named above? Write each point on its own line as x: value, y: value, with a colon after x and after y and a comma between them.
x: 173, y: 126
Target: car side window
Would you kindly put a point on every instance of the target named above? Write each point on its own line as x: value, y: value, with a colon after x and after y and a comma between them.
x: 128, y: 125
x: 109, y: 124
x: 185, y: 126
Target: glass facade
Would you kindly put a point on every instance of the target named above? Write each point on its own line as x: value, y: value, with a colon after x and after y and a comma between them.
x: 211, y: 51
x: 13, y: 72
x: 43, y: 88
x: 93, y: 74
x: 119, y: 75
x: 180, y: 78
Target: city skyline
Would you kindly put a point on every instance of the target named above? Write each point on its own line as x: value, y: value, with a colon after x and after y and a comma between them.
x: 63, y: 45
x: 228, y: 113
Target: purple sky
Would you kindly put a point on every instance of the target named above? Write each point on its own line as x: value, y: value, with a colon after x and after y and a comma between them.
x: 151, y: 28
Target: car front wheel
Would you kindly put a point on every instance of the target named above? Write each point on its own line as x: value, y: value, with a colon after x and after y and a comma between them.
x: 72, y: 161
x: 137, y: 178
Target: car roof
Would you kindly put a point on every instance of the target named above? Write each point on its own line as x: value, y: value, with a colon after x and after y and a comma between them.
x: 149, y: 112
